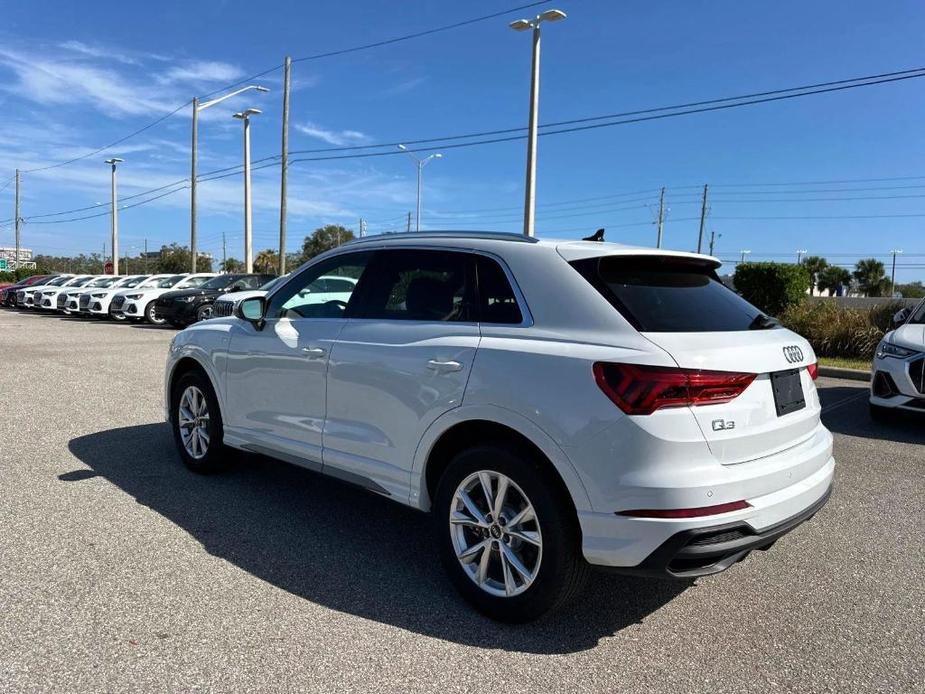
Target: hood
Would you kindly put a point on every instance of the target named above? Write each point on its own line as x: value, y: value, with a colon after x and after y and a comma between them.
x: 238, y: 296
x: 176, y: 294
x: 910, y: 335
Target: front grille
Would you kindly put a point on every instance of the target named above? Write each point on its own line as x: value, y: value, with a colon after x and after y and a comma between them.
x: 62, y: 300
x: 84, y: 301
x: 222, y: 309
x: 117, y: 302
x: 917, y: 374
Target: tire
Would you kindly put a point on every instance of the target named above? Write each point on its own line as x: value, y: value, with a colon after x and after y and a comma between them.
x: 878, y: 413
x: 120, y: 317
x: 188, y: 395
x: 556, y: 566
x: 204, y: 312
x: 150, y: 315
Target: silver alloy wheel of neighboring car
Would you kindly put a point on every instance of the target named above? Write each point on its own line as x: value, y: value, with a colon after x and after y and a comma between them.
x: 151, y: 315
x: 204, y: 312
x: 193, y: 419
x: 495, y: 533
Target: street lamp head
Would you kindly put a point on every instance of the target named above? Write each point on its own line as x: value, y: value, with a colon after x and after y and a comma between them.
x: 247, y: 113
x: 521, y: 25
x: 440, y: 156
x: 114, y: 161
x: 402, y: 148
x: 262, y: 89
x: 552, y: 16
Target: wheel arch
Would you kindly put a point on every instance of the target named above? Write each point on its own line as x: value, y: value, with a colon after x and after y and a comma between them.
x: 183, y: 364
x: 459, y: 428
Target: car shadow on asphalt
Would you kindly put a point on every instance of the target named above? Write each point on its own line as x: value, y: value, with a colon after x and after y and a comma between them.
x: 341, y: 547
x: 845, y: 411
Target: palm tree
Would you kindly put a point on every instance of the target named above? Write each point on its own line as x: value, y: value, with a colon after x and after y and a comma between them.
x: 266, y: 261
x: 833, y: 277
x: 814, y: 264
x: 871, y: 276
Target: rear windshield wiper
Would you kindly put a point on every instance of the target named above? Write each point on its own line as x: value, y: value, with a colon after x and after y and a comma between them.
x: 763, y: 322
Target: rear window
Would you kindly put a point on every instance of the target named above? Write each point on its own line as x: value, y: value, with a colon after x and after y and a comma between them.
x: 669, y: 295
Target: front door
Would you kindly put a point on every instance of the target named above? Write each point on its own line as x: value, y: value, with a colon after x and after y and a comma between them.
x: 275, y: 377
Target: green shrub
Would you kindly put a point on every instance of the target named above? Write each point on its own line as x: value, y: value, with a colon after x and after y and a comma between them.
x: 835, y: 331
x: 772, y: 287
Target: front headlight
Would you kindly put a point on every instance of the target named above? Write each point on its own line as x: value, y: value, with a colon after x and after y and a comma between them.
x: 133, y: 296
x: 187, y: 299
x: 98, y: 296
x: 888, y: 349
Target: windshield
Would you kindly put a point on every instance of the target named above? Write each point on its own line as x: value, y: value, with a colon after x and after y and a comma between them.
x: 670, y: 295
x: 127, y: 281
x: 272, y: 283
x: 58, y: 281
x: 101, y: 282
x: 220, y: 282
x: 162, y: 282
x: 918, y: 315
x: 193, y: 282
x: 79, y: 282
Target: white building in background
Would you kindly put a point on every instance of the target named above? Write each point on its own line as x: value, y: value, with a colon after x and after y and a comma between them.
x: 9, y: 255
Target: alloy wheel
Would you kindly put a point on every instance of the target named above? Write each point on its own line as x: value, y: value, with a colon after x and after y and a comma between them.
x: 495, y: 533
x: 193, y: 420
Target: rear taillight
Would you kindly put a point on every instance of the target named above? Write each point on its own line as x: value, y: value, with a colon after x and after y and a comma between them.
x: 639, y: 389
x: 813, y: 371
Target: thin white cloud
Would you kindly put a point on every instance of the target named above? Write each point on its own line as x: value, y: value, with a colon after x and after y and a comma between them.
x: 98, y: 52
x: 405, y: 86
x: 202, y: 71
x: 332, y: 137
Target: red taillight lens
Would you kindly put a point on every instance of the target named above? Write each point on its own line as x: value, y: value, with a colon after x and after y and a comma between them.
x: 813, y: 371
x: 639, y: 389
x: 687, y: 512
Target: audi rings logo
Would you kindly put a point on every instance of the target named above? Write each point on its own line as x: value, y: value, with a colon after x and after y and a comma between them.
x: 793, y: 354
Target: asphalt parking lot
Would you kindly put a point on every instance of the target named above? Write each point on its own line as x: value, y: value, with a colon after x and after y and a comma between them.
x: 119, y: 570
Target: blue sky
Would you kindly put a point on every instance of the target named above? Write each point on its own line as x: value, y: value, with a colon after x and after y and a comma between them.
x: 74, y: 76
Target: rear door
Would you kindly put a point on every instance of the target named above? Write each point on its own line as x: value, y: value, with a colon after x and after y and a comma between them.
x: 402, y: 359
x: 680, y: 305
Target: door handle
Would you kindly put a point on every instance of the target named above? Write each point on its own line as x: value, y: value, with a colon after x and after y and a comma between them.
x: 444, y: 366
x: 313, y: 352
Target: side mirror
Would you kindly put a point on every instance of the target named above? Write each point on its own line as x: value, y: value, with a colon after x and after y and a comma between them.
x: 252, y: 311
x: 901, y: 316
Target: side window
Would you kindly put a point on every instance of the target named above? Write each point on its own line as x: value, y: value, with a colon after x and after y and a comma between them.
x: 419, y: 285
x: 497, y: 302
x: 306, y: 295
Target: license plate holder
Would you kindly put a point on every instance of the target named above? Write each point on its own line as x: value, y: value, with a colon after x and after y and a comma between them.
x: 788, y: 391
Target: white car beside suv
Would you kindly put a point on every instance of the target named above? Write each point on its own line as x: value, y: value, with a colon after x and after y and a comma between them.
x: 898, y: 382
x: 552, y: 404
x: 138, y: 304
x: 69, y: 300
x: 97, y: 303
x: 46, y: 297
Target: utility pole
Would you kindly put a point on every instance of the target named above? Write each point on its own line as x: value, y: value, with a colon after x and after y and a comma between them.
x: 713, y: 237
x: 703, y: 217
x: 104, y: 257
x: 16, y: 212
x: 192, y: 187
x: 661, y: 218
x: 146, y: 256
x: 895, y: 252
x: 409, y: 222
x: 224, y: 254
x: 115, y: 216
x: 362, y: 228
x: 284, y: 170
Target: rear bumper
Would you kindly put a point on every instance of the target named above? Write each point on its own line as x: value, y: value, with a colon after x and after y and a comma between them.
x: 712, y: 549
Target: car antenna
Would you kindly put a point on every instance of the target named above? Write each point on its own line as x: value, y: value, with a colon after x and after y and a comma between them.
x: 596, y: 236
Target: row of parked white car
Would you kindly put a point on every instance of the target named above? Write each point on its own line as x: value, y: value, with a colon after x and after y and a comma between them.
x: 93, y: 295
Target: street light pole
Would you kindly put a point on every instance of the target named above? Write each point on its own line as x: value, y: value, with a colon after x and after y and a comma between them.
x: 530, y: 185
x: 16, y: 220
x: 115, y: 216
x: 197, y: 107
x: 284, y: 167
x: 420, y: 163
x: 744, y: 253
x: 244, y: 116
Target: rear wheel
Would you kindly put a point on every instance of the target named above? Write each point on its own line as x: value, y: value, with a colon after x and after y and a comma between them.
x: 509, y: 542
x: 151, y: 315
x: 197, y: 423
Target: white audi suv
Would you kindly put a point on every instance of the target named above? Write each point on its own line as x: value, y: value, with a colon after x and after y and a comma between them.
x: 552, y: 404
x: 97, y: 303
x: 898, y: 382
x: 46, y: 297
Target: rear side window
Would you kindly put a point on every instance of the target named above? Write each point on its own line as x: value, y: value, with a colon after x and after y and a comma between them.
x: 418, y: 285
x: 674, y: 295
x: 497, y: 302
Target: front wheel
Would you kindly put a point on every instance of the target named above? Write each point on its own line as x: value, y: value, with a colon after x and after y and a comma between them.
x: 508, y: 540
x: 151, y: 315
x: 197, y: 423
x: 115, y: 316
x: 204, y: 312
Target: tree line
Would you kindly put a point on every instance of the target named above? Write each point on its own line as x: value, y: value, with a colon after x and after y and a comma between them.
x: 868, y: 277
